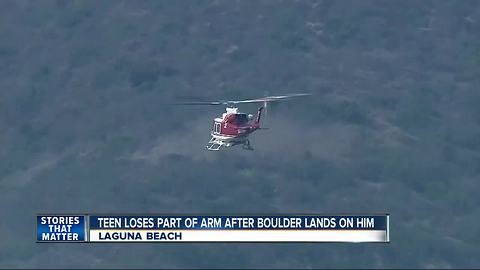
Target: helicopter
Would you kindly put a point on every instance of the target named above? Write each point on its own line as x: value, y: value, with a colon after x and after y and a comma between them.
x: 234, y: 127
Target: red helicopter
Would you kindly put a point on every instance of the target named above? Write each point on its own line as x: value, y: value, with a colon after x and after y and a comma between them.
x: 234, y: 127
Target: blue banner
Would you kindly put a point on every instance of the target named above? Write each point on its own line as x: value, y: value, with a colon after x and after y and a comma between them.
x: 61, y: 228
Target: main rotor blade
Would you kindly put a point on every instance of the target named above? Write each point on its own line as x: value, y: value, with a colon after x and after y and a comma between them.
x: 232, y: 102
x: 201, y: 103
x: 268, y: 98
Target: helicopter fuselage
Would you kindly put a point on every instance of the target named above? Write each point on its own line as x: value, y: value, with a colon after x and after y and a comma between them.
x: 233, y: 128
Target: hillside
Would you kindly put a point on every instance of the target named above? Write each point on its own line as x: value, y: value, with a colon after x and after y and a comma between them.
x: 393, y: 125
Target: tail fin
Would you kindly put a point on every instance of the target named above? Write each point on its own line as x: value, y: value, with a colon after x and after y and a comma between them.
x: 259, y: 114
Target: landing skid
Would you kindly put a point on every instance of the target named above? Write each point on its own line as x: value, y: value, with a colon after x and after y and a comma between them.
x: 216, y: 144
x: 246, y: 145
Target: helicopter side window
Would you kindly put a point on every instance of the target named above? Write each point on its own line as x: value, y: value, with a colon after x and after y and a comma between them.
x: 241, y: 119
